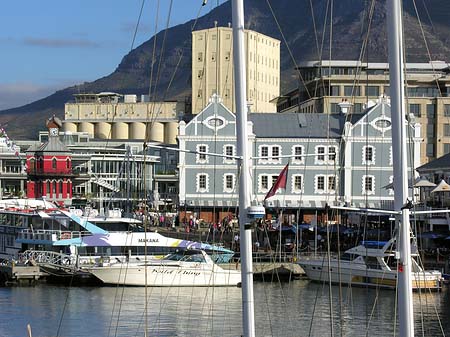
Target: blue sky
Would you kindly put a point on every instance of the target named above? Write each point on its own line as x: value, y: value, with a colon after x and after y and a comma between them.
x: 48, y: 45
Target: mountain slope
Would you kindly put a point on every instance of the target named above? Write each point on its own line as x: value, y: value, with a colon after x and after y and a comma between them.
x: 295, y: 20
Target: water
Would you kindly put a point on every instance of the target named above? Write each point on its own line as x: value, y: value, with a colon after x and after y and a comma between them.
x: 298, y: 308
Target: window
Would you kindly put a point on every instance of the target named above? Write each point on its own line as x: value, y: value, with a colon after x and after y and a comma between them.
x: 430, y: 150
x: 67, y: 163
x: 265, y: 152
x: 54, y: 163
x: 200, y: 73
x: 447, y: 110
x: 297, y: 183
x: 227, y: 36
x: 331, y: 183
x: 274, y: 179
x: 414, y: 109
x: 320, y: 150
x: 320, y: 183
x: 228, y: 151
x: 200, y: 57
x: 334, y: 90
x: 331, y: 153
x: 202, y: 182
x: 372, y: 91
x: 446, y: 130
x: 368, y: 155
x: 213, y: 37
x: 275, y: 153
x: 430, y: 130
x: 264, y: 183
x: 431, y: 110
x: 335, y: 108
x: 350, y: 90
x: 297, y: 152
x: 228, y: 182
x: 368, y: 185
x: 357, y: 107
x: 202, y: 157
x: 446, y: 148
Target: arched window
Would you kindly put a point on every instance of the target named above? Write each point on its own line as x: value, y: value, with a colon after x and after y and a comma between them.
x: 54, y: 163
x: 68, y: 163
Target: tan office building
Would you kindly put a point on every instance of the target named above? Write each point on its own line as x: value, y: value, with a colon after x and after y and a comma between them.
x: 323, y: 85
x: 212, y: 68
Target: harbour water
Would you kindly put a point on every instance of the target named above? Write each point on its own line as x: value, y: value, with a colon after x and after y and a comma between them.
x: 297, y: 308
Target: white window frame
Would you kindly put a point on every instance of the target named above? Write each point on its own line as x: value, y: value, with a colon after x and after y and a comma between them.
x: 262, y: 189
x: 197, y: 182
x: 363, y: 185
x: 200, y: 160
x: 233, y: 153
x: 294, y: 189
x: 270, y: 159
x: 326, y: 154
x: 326, y: 184
x: 391, y: 161
x: 300, y: 160
x: 332, y: 153
x: 364, y: 155
x: 233, y: 182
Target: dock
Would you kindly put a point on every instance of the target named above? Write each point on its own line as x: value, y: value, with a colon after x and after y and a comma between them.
x: 20, y: 275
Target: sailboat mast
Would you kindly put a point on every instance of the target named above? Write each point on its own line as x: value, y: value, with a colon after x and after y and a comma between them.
x: 399, y: 151
x: 248, y: 317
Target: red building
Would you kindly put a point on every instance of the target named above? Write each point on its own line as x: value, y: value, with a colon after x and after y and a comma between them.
x: 49, y: 168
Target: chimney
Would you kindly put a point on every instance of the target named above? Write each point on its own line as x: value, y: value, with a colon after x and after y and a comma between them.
x: 345, y: 105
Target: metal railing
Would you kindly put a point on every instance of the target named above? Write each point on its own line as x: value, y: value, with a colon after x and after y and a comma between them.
x: 48, y: 258
x: 50, y: 235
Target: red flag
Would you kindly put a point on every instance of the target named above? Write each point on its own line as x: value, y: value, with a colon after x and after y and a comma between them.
x: 280, y: 183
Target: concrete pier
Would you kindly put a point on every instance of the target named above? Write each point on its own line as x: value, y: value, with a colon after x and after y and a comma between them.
x: 20, y: 275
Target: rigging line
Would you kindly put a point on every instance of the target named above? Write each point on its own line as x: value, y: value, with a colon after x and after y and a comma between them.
x: 429, y: 17
x: 161, y: 56
x: 153, y: 59
x: 426, y: 46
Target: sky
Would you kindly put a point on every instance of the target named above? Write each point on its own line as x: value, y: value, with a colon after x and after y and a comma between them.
x: 48, y: 45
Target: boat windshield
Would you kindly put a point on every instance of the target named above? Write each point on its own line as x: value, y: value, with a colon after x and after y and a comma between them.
x: 348, y: 257
x: 186, y: 258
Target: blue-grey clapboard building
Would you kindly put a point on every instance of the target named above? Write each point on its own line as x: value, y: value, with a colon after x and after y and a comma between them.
x: 335, y: 159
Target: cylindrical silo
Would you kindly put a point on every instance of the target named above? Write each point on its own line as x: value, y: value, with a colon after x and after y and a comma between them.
x: 86, y: 127
x: 137, y: 130
x: 120, y: 130
x: 156, y: 133
x: 69, y: 127
x: 103, y: 130
x: 170, y: 132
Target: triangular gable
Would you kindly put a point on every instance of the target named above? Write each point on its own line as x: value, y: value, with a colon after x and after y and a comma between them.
x: 215, y: 117
x: 376, y: 122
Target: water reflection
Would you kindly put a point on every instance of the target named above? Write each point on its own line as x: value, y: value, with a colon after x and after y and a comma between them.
x: 298, y: 308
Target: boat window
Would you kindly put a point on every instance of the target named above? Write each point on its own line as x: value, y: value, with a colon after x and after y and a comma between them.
x: 372, y: 262
x: 348, y: 257
x: 194, y: 258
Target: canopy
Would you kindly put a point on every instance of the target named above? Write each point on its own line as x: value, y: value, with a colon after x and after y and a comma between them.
x: 442, y: 187
x: 423, y: 182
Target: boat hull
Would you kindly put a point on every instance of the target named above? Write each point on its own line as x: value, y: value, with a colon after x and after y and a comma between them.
x: 359, y: 275
x: 167, y: 276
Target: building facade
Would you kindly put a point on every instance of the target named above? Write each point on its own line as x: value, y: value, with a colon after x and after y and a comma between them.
x: 113, y: 116
x: 334, y: 159
x: 212, y: 68
x: 323, y: 85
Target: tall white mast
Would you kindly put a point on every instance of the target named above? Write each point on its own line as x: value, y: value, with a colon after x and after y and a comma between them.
x: 248, y: 317
x: 399, y: 151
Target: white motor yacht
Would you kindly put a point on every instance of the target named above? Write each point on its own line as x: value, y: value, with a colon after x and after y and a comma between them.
x: 187, y: 268
x: 373, y: 264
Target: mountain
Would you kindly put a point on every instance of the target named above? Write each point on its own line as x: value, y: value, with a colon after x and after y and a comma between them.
x: 296, y: 22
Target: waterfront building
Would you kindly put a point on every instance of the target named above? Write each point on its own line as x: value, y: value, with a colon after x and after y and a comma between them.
x: 325, y: 84
x: 339, y: 159
x: 49, y: 168
x: 109, y: 115
x: 213, y: 72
